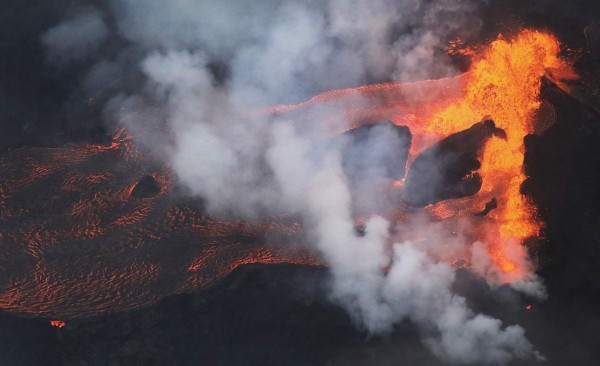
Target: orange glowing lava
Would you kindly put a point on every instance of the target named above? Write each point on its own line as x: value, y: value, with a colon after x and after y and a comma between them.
x: 503, y: 84
x: 74, y: 242
x: 57, y: 323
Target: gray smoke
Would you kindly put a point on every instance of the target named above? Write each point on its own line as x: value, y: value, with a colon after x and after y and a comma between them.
x: 209, y: 68
x: 75, y: 38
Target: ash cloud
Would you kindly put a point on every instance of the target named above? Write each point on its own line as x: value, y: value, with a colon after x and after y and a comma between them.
x: 243, y: 162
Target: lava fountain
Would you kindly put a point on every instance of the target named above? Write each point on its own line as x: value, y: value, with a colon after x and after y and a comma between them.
x: 503, y: 84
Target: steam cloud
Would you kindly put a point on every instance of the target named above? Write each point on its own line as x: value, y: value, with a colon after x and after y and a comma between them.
x: 75, y: 38
x: 206, y: 68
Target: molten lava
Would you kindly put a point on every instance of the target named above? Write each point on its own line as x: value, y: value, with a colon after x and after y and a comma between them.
x: 503, y: 84
x: 75, y: 242
x: 57, y: 323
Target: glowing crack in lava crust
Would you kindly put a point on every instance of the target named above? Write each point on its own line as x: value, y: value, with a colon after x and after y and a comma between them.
x: 75, y: 243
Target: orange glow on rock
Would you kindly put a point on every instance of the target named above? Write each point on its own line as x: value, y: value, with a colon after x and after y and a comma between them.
x: 58, y: 323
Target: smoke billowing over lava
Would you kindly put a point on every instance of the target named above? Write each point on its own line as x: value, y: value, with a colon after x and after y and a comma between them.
x: 362, y: 135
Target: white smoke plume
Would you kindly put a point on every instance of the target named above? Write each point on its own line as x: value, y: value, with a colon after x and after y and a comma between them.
x: 243, y: 162
x: 75, y: 38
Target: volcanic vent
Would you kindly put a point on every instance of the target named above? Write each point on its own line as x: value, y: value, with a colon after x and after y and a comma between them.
x: 474, y: 166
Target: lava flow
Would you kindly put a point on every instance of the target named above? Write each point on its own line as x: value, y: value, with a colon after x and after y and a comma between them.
x: 503, y: 84
x: 76, y: 242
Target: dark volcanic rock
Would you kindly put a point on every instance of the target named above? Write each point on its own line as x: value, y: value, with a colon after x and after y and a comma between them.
x: 372, y: 157
x: 258, y: 315
x: 489, y: 207
x: 148, y: 186
x: 446, y: 169
x: 376, y: 151
x: 562, y: 165
x: 254, y: 316
x: 280, y: 315
x: 26, y: 341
